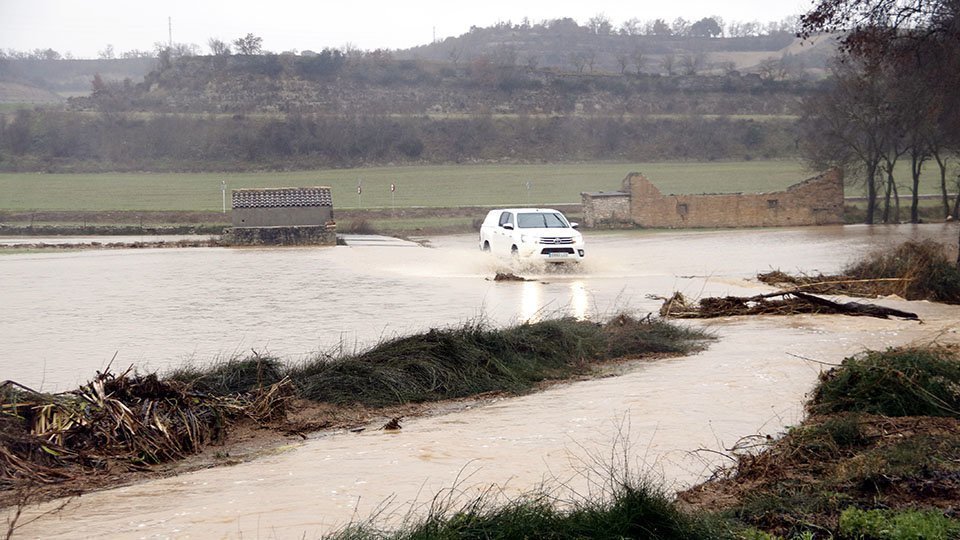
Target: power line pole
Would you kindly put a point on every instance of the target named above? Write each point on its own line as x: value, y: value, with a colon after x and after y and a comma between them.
x: 170, y: 32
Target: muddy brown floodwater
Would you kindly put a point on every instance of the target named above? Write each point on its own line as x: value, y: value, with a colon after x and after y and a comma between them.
x: 67, y: 314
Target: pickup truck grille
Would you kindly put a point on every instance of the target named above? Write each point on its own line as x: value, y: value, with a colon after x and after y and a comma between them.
x: 556, y: 240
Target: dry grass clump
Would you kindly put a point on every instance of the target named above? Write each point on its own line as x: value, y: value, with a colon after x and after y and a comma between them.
x: 926, y: 272
x: 912, y: 270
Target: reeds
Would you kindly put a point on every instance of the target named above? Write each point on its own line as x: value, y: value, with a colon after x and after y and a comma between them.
x: 473, y: 359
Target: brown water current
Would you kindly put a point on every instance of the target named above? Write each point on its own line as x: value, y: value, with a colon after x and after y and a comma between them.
x: 66, y: 314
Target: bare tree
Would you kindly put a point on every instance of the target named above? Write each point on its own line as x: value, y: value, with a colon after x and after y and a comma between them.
x: 579, y: 60
x: 639, y: 60
x: 849, y: 122
x: 600, y: 24
x: 623, y: 61
x: 249, y: 45
x: 631, y: 27
x: 680, y: 27
x: 669, y: 63
x: 218, y: 47
x: 691, y: 63
x: 902, y: 33
x: 772, y: 69
x: 106, y: 53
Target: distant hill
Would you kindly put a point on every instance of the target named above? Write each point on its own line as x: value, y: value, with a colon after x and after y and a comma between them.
x: 567, y: 46
x: 492, y: 95
x: 332, y: 84
x: 66, y: 78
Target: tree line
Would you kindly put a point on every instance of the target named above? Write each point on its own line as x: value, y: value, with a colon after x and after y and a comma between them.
x: 892, y: 97
x: 599, y: 24
x: 65, y: 141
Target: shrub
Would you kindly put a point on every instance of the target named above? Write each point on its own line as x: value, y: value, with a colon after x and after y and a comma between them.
x: 360, y: 226
x: 896, y: 382
x: 923, y: 266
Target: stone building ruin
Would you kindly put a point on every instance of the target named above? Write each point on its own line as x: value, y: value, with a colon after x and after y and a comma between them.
x: 639, y: 203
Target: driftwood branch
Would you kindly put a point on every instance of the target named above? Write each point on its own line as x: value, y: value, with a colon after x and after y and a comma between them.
x: 790, y: 302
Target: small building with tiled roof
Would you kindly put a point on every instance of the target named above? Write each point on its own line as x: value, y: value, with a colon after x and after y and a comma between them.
x: 282, y: 207
x: 294, y: 215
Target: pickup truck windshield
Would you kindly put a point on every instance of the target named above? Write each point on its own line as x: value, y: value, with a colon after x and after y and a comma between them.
x: 541, y: 220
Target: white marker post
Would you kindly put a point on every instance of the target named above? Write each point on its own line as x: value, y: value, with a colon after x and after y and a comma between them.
x: 393, y: 189
x: 223, y: 194
x: 359, y: 194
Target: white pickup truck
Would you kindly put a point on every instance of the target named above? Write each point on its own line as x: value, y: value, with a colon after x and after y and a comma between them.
x: 533, y: 233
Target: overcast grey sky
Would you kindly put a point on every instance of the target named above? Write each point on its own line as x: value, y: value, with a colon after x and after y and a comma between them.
x: 84, y: 27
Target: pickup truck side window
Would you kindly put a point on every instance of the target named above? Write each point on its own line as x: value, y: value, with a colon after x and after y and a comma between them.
x: 506, y: 218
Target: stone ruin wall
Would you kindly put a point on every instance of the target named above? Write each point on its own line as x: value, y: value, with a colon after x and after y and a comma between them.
x: 606, y: 210
x: 816, y: 201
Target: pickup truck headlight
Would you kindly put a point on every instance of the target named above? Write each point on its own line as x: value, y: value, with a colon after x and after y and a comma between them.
x: 525, y: 238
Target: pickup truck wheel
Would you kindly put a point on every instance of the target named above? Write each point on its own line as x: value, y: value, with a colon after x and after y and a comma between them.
x: 486, y: 246
x: 514, y: 252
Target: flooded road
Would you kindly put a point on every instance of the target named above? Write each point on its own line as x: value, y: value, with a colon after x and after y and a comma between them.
x: 152, y: 306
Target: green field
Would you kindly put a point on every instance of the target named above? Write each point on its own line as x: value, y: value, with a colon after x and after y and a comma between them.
x: 431, y: 186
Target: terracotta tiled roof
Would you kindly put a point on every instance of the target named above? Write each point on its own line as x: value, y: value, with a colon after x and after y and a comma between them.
x: 282, y: 197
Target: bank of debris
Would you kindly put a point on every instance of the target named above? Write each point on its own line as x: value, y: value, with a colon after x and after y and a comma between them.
x: 912, y: 270
x: 792, y: 302
x: 137, y: 420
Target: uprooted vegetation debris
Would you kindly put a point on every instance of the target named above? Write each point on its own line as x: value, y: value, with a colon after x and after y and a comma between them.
x: 130, y: 418
x: 792, y: 302
x: 912, y: 270
x: 129, y: 421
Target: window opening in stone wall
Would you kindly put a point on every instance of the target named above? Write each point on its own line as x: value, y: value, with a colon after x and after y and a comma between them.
x: 773, y: 203
x: 682, y: 209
